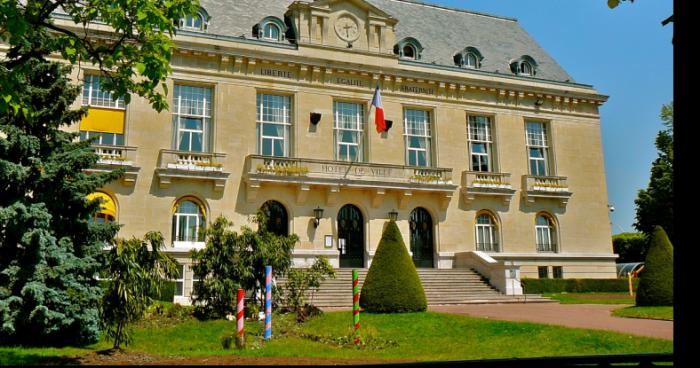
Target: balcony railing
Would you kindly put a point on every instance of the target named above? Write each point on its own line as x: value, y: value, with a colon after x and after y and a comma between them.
x: 191, y: 161
x: 115, y: 155
x: 188, y: 165
x: 336, y: 174
x: 111, y: 157
x: 348, y: 171
x: 477, y: 183
x: 546, y: 184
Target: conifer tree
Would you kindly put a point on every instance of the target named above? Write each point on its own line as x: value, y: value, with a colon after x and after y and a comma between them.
x: 656, y: 283
x: 49, y: 247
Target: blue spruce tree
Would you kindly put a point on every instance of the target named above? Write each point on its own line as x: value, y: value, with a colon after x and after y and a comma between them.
x: 49, y: 248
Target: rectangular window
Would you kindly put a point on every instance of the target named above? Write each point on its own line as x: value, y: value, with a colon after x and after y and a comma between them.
x: 349, y: 131
x: 106, y: 139
x: 274, y: 122
x: 558, y: 272
x: 192, y: 118
x: 93, y: 95
x: 543, y: 272
x: 417, y: 133
x: 195, y: 282
x: 538, y: 148
x: 180, y: 281
x: 480, y: 142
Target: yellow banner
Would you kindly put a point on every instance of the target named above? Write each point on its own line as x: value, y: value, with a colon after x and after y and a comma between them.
x: 103, y: 120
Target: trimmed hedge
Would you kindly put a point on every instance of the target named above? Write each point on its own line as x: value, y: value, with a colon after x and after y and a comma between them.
x: 539, y: 286
x: 392, y: 284
x: 656, y: 285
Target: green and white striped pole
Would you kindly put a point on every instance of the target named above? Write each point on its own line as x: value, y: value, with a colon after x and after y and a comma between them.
x: 356, y: 305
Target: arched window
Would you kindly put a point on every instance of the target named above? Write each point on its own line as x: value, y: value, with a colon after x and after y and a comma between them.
x: 469, y: 58
x: 271, y: 32
x: 409, y: 52
x: 108, y: 208
x: 524, y: 65
x: 270, y: 29
x: 486, y: 233
x: 198, y: 22
x: 408, y: 48
x: 546, y: 233
x: 188, y: 221
x: 277, y: 219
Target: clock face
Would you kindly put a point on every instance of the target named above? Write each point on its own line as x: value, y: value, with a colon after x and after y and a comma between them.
x: 346, y: 28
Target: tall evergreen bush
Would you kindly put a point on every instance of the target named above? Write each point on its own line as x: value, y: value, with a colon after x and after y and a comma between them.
x: 392, y: 284
x: 49, y: 248
x: 656, y: 281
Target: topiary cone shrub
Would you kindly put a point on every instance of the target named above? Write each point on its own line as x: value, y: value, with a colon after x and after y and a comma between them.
x: 392, y: 284
x: 656, y: 281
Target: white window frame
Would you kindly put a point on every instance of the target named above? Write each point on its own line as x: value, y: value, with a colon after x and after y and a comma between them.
x: 356, y: 128
x: 202, y: 114
x: 473, y: 136
x: 270, y: 37
x: 549, y: 234
x: 537, y: 141
x: 467, y: 57
x: 87, y: 134
x: 190, y: 26
x: 490, y: 232
x: 95, y: 97
x: 522, y: 68
x: 423, y: 133
x: 413, y: 50
x: 180, y: 280
x: 199, y: 219
x: 286, y: 122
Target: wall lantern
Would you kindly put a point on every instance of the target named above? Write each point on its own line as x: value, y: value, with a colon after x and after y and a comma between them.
x: 318, y: 214
x: 315, y: 117
x: 388, y: 123
x: 393, y: 215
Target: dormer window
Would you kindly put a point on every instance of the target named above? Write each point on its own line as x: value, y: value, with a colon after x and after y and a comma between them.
x: 469, y: 58
x: 271, y: 32
x: 524, y: 66
x: 408, y: 48
x: 270, y: 29
x: 198, y: 22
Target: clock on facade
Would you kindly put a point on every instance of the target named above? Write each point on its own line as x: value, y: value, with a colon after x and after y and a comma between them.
x: 346, y: 28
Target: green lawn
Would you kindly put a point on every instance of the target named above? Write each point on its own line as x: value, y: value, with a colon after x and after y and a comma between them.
x: 592, y: 298
x: 663, y: 313
x: 414, y: 336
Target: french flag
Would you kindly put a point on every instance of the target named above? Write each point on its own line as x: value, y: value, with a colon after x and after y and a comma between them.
x: 378, y: 113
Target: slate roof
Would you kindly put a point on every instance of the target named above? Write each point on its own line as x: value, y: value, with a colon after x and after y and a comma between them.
x: 442, y: 31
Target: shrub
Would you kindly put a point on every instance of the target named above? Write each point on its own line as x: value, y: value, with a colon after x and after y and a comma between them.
x: 656, y: 284
x: 539, y: 286
x: 392, y: 283
x: 632, y: 247
x: 300, y: 281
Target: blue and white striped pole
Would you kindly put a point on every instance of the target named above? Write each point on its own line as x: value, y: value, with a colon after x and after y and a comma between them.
x: 268, y: 302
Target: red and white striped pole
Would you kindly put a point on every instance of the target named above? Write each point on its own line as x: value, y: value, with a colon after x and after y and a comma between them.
x: 240, y: 313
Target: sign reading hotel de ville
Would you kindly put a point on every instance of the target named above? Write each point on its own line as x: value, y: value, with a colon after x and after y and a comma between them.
x: 356, y: 171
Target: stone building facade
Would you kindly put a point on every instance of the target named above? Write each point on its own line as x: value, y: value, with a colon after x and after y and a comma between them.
x: 493, y: 159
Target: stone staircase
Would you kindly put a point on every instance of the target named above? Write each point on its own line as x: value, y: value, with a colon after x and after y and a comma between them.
x: 442, y: 287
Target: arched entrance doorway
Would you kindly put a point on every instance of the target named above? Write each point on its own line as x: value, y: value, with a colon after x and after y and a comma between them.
x: 277, y: 220
x: 422, y: 238
x: 351, y: 229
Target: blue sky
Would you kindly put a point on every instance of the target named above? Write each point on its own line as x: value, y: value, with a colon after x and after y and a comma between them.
x: 624, y: 53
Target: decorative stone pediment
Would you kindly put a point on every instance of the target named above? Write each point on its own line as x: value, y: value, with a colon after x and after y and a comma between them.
x: 349, y: 24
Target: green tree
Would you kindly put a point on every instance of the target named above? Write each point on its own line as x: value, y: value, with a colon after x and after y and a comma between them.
x: 231, y: 260
x: 656, y: 280
x: 135, y: 57
x: 392, y: 283
x: 655, y: 204
x: 48, y: 245
x: 612, y: 4
x: 135, y: 273
x: 302, y: 280
x: 631, y: 247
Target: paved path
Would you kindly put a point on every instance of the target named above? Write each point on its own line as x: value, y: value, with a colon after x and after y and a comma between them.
x: 593, y: 316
